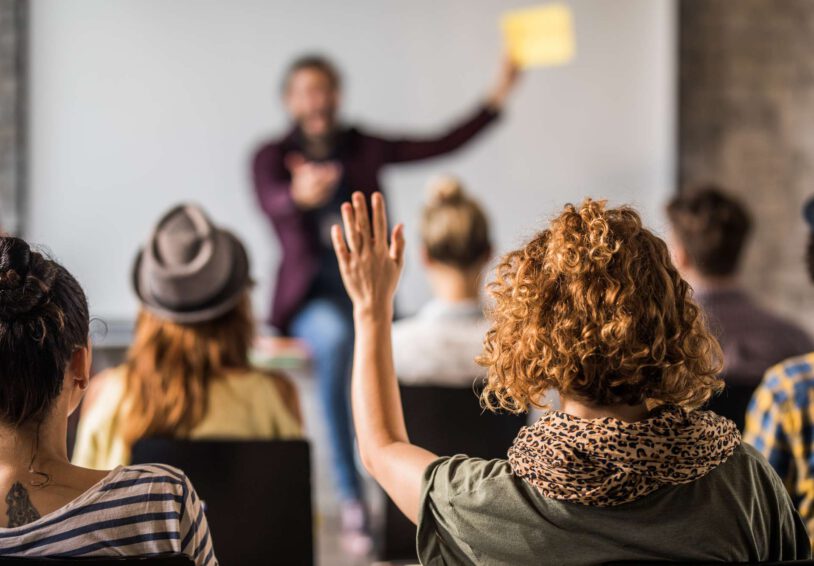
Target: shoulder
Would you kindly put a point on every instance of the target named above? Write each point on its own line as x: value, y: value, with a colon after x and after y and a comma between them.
x: 409, y: 328
x: 150, y: 483
x: 766, y: 322
x: 461, y: 475
x: 104, y: 391
x: 747, y: 464
x: 782, y: 378
x: 273, y: 149
x: 269, y: 388
x: 785, y: 328
x: 281, y: 384
x: 260, y: 379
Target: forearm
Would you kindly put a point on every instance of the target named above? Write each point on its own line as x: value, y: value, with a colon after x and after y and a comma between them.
x: 380, y: 430
x: 377, y: 408
x: 413, y: 149
x: 271, y: 186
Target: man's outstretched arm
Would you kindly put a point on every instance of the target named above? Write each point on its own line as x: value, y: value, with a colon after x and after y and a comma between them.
x: 402, y: 150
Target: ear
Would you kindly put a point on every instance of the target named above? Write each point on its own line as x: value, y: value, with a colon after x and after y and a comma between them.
x: 78, y: 375
x: 487, y: 256
x: 680, y: 257
x: 426, y: 260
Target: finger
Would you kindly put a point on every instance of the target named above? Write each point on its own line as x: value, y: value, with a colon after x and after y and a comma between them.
x: 379, y: 220
x: 294, y: 161
x: 334, y: 168
x: 360, y: 213
x: 397, y: 245
x: 351, y: 231
x: 340, y: 247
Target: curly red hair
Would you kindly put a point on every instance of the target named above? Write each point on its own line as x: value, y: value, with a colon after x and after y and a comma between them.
x: 594, y: 308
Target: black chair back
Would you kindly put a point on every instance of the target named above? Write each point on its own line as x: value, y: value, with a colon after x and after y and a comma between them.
x: 805, y: 562
x: 156, y: 560
x: 733, y: 402
x: 257, y: 495
x: 447, y: 421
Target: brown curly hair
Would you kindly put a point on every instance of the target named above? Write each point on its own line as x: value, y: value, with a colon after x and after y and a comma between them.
x: 594, y: 308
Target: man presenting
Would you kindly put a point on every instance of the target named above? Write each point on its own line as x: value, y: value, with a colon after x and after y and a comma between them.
x: 300, y: 180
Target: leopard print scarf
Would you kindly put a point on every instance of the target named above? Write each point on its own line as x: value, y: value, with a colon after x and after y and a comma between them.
x: 607, y: 462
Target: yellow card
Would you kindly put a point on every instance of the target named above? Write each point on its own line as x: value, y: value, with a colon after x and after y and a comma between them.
x: 539, y: 36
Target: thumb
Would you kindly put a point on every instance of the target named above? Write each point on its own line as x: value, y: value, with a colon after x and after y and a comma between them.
x: 397, y: 245
x: 294, y: 161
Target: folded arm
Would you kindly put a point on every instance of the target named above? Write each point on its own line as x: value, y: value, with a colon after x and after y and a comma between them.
x: 272, y: 184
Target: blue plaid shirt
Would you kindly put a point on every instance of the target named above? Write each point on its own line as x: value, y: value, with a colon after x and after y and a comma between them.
x: 780, y: 425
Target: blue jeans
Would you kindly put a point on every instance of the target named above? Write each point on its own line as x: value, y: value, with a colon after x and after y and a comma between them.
x: 326, y: 325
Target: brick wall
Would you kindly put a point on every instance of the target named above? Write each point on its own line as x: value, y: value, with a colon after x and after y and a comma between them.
x: 746, y: 120
x: 12, y: 99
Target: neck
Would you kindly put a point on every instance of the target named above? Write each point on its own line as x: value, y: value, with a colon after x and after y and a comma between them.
x: 701, y: 283
x: 46, y: 444
x: 318, y: 147
x: 453, y: 285
x: 627, y: 413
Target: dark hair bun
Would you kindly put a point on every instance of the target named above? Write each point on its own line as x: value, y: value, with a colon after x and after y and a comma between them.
x: 25, y: 278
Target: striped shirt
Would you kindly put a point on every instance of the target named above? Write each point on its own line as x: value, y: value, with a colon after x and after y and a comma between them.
x: 134, y: 511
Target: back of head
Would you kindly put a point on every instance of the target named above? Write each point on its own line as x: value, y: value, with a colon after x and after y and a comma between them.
x: 43, y: 320
x: 712, y: 227
x: 454, y: 228
x: 593, y: 307
x: 196, y: 323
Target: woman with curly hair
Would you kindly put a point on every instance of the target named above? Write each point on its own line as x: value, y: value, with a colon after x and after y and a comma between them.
x: 628, y: 469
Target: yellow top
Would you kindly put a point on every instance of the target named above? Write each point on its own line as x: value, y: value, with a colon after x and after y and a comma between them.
x: 242, y: 405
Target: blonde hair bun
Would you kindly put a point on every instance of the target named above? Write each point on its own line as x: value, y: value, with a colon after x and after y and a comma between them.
x: 454, y: 228
x: 444, y: 189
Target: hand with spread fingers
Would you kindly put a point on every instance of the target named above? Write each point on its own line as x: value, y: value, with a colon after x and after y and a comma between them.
x: 370, y: 266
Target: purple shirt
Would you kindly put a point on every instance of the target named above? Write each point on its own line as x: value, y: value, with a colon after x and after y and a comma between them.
x: 362, y: 157
x: 752, y: 338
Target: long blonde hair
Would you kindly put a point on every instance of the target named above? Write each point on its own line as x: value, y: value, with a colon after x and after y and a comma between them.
x: 169, y: 367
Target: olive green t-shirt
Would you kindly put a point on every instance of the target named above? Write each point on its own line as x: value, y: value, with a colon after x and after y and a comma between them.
x: 476, y: 511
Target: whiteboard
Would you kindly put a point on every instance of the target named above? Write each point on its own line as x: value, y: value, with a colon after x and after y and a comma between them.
x: 138, y: 104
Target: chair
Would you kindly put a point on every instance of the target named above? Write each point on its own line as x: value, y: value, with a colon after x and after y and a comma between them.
x: 680, y: 563
x: 156, y: 560
x: 257, y: 495
x: 733, y: 402
x: 447, y: 421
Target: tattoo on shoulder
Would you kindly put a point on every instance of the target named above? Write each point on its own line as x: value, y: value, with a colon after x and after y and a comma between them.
x: 19, y: 508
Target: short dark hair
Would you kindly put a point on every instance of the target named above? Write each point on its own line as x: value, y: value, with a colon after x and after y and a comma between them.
x: 314, y: 62
x: 43, y: 320
x: 712, y: 227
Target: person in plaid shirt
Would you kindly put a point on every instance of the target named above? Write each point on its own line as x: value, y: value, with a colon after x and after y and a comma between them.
x: 780, y: 419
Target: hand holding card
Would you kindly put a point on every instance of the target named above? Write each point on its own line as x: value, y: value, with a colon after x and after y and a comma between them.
x: 539, y: 36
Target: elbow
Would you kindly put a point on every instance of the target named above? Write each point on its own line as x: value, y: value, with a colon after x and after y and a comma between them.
x: 368, y: 460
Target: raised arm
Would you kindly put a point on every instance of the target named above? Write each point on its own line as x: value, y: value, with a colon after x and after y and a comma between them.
x: 370, y: 269
x: 406, y: 149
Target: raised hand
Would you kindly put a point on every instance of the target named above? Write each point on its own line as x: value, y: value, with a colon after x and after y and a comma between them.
x: 370, y: 266
x: 504, y: 84
x: 312, y: 184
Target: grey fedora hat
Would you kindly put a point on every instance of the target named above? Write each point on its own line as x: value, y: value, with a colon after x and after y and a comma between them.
x: 190, y: 270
